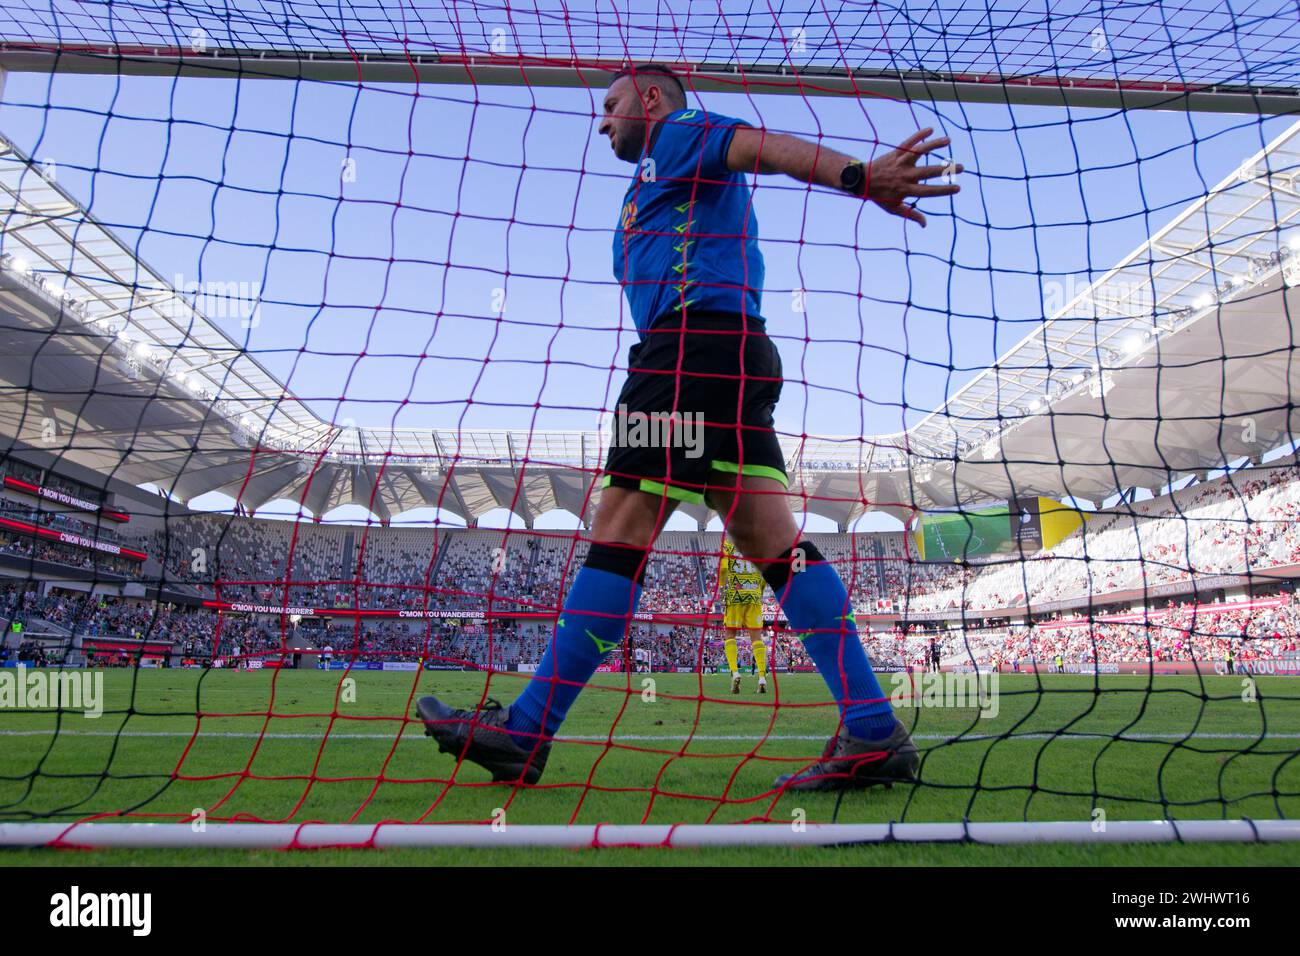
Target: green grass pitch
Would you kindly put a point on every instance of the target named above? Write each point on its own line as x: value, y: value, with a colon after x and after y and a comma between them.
x: 252, y: 746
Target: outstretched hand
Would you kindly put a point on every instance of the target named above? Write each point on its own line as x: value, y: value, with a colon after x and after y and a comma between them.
x: 894, y: 178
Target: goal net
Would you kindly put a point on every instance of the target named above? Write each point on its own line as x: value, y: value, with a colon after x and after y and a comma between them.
x: 313, y: 356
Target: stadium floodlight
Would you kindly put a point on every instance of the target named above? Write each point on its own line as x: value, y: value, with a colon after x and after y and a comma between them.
x: 1099, y: 386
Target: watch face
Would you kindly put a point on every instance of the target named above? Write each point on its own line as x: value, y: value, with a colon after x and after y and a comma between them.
x: 851, y: 176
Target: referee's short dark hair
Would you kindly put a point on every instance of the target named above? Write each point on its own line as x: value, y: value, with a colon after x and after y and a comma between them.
x: 656, y: 74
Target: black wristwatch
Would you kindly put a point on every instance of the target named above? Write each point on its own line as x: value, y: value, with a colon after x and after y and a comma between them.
x: 852, y: 178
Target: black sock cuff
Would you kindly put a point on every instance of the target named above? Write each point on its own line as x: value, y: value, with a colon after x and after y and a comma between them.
x: 778, y: 572
x: 624, y: 559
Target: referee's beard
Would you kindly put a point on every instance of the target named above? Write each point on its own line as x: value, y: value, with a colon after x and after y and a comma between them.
x: 630, y: 138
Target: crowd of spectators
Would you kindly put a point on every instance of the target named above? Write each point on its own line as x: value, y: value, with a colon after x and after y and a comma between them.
x: 25, y: 545
x: 1182, y: 632
x: 1237, y: 526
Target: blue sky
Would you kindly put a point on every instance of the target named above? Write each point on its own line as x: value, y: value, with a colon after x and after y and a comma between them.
x: 241, y: 181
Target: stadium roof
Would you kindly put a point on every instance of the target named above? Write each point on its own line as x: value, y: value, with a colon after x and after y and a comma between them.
x: 1179, y: 360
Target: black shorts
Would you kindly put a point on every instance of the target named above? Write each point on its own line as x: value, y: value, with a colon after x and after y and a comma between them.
x: 676, y: 418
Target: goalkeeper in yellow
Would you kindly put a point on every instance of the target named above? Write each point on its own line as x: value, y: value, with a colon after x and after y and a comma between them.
x: 741, y: 585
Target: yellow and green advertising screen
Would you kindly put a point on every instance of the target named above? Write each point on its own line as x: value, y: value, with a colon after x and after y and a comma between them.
x: 1024, y: 524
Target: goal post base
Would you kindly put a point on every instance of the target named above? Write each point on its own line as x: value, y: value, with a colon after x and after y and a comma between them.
x: 286, y: 836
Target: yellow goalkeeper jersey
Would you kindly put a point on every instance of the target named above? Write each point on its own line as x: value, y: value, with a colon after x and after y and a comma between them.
x: 738, y: 580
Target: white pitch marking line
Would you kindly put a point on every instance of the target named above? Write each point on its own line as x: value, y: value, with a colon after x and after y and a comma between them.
x: 618, y: 738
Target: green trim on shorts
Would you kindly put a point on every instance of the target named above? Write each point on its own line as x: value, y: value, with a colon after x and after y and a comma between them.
x: 758, y: 471
x: 661, y: 489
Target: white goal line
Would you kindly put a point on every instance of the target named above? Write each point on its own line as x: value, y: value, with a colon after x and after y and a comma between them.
x: 281, y: 836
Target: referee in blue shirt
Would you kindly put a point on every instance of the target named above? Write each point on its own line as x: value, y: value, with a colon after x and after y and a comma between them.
x: 694, y: 422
